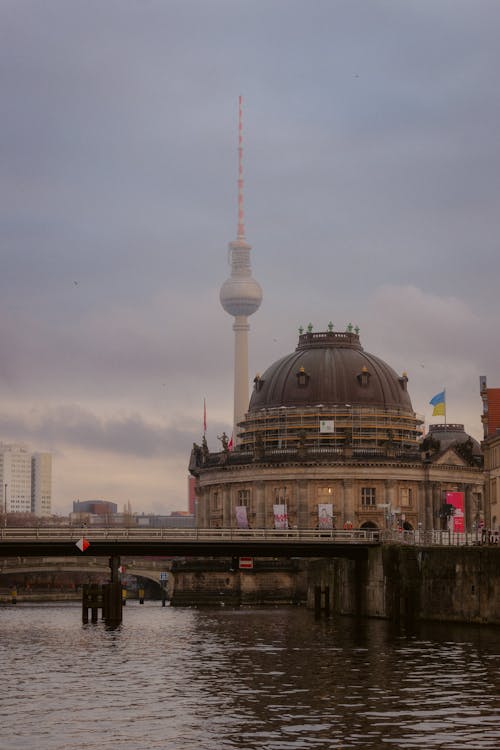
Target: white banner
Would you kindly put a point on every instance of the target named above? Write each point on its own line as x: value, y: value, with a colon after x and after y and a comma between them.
x: 326, y: 426
x: 280, y: 517
x: 325, y: 516
x: 241, y: 517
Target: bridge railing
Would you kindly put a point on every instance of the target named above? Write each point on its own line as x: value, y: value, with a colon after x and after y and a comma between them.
x: 441, y: 538
x: 353, y: 536
x: 320, y: 536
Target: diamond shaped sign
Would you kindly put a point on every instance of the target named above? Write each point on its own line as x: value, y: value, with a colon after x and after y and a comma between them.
x: 83, y: 544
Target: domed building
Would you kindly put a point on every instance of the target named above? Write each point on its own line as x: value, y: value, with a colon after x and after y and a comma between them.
x: 331, y: 439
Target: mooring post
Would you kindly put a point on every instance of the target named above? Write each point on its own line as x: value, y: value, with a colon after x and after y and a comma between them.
x: 14, y: 595
x: 114, y: 564
x: 85, y: 603
x: 105, y: 601
x: 113, y: 595
x: 94, y: 602
x: 141, y: 596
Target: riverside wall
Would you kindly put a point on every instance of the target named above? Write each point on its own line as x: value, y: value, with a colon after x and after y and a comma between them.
x: 208, y: 582
x: 398, y: 582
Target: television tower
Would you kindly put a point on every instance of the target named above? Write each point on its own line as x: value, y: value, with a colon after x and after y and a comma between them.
x: 240, y: 295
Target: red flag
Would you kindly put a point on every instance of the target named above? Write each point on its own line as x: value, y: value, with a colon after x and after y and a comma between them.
x: 230, y: 445
x: 204, y: 416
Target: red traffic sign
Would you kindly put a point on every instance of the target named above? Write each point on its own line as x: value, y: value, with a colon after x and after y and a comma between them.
x: 83, y: 544
x: 246, y: 563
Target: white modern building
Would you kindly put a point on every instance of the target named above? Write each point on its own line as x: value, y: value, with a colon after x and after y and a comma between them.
x: 41, y: 484
x: 25, y: 480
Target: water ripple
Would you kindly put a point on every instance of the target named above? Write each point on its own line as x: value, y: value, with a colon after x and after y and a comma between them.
x: 273, y: 679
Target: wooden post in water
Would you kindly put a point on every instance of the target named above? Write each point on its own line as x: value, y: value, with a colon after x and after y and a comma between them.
x: 14, y: 595
x: 94, y: 602
x: 90, y: 600
x: 141, y: 596
x: 85, y: 603
x: 113, y: 604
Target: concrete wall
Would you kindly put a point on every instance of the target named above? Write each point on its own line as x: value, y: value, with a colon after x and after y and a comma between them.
x: 459, y: 584
x: 193, y: 586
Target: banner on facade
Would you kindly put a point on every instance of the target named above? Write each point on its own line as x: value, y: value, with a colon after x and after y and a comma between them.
x: 325, y: 516
x: 241, y: 517
x: 456, y: 499
x: 326, y: 426
x: 280, y: 517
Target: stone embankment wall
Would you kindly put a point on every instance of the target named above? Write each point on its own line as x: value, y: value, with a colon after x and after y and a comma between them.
x: 460, y: 584
x: 209, y: 582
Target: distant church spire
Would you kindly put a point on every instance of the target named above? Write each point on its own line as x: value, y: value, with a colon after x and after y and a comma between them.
x: 240, y: 296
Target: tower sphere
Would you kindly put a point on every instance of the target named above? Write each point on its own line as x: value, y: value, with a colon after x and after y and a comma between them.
x: 240, y: 295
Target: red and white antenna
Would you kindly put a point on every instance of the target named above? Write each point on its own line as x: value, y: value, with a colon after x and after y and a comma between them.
x: 241, y: 218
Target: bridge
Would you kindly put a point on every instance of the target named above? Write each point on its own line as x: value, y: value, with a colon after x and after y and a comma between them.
x: 144, y: 567
x: 61, y: 542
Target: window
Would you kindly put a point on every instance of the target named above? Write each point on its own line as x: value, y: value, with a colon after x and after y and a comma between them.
x: 406, y: 496
x: 215, y: 501
x: 280, y: 495
x: 244, y: 497
x: 325, y: 494
x: 368, y: 496
x: 302, y: 378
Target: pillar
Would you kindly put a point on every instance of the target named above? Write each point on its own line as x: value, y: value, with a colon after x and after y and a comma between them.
x: 349, y: 510
x: 258, y: 500
x: 227, y: 520
x: 303, y: 511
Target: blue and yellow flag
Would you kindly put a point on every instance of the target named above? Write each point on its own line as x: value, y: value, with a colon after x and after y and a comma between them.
x: 439, y: 404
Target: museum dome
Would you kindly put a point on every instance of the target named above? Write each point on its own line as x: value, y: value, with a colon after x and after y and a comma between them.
x: 330, y: 397
x: 330, y: 368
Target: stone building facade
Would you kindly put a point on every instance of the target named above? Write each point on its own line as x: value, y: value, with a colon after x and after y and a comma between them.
x: 330, y: 429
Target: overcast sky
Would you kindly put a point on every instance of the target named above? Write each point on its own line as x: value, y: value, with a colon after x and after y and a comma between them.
x: 372, y: 188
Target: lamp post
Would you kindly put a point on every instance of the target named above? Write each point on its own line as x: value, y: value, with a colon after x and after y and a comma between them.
x: 5, y: 504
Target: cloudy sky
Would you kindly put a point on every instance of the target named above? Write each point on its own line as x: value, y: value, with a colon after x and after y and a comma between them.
x: 372, y: 189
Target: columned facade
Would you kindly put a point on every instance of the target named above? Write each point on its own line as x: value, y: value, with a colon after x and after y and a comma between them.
x: 330, y: 437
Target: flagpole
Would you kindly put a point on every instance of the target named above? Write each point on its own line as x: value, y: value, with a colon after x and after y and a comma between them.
x: 444, y: 391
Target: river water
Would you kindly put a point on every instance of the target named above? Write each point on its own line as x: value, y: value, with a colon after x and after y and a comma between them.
x: 263, y: 679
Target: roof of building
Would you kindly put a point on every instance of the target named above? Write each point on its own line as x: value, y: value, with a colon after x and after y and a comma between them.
x: 453, y: 435
x: 330, y: 368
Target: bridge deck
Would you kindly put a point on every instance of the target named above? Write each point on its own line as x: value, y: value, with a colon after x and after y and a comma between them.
x: 188, y: 542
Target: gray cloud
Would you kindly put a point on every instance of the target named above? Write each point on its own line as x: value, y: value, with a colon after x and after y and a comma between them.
x: 372, y: 168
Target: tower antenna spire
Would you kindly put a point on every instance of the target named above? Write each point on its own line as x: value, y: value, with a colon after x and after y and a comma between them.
x: 240, y: 296
x: 241, y: 217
